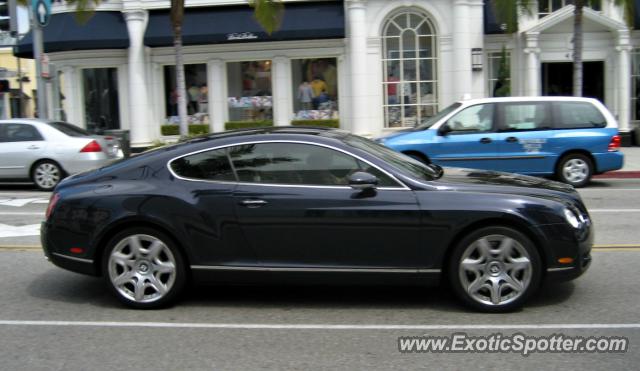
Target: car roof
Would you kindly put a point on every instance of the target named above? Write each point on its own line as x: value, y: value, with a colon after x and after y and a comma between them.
x: 295, y: 130
x: 25, y: 121
x: 528, y: 99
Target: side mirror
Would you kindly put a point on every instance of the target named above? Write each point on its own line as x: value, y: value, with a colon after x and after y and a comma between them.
x: 444, y: 129
x: 362, y: 181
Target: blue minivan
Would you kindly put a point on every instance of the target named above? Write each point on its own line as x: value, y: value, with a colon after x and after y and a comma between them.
x: 571, y: 138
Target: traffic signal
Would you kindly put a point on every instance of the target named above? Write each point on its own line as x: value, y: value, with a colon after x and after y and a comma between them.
x: 4, y: 86
x: 8, y: 16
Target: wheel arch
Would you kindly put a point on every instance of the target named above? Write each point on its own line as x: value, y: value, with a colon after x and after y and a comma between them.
x: 578, y: 151
x: 46, y: 159
x: 419, y: 154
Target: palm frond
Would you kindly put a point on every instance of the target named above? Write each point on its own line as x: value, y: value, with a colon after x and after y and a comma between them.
x: 268, y: 13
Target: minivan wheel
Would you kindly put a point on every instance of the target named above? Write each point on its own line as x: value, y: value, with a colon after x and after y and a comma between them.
x: 495, y: 269
x: 575, y: 169
x: 46, y: 175
x: 144, y: 268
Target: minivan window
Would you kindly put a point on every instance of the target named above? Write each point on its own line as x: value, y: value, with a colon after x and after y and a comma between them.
x: 426, y: 124
x: 578, y: 115
x: 525, y: 116
x: 474, y: 119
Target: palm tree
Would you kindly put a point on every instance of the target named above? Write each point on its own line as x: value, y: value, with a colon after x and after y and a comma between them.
x: 268, y: 13
x: 507, y: 12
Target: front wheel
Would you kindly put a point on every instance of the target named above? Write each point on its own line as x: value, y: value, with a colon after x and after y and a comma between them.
x: 575, y: 169
x: 495, y: 269
x: 144, y: 268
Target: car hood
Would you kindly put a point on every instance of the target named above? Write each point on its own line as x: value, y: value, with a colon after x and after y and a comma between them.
x: 506, y: 183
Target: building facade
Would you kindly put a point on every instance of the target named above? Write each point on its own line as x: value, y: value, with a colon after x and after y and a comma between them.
x: 375, y: 66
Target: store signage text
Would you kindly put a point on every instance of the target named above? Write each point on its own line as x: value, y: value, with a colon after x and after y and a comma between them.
x: 241, y: 36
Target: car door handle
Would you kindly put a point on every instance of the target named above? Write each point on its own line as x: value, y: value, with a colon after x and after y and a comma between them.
x: 511, y: 139
x: 485, y: 140
x: 33, y: 147
x: 253, y: 203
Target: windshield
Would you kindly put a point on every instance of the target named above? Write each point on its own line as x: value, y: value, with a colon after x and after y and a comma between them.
x: 70, y: 130
x: 435, y: 118
x: 399, y: 161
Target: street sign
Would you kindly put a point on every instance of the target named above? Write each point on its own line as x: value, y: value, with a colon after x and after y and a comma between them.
x: 41, y: 11
x: 44, y: 60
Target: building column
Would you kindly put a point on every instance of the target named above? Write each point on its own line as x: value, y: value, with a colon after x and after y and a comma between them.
x: 70, y: 88
x: 217, y: 95
x: 624, y: 80
x: 141, y: 133
x: 461, y: 50
x: 281, y: 80
x: 357, y: 14
x: 532, y: 87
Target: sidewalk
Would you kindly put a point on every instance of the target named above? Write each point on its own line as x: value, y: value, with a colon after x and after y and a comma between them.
x: 631, y: 168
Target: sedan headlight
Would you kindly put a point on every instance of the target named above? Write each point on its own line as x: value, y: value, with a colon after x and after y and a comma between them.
x: 572, y: 218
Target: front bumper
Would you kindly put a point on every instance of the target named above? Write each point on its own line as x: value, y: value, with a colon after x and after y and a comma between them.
x: 567, y: 243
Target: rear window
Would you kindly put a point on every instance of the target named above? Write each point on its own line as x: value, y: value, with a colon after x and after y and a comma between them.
x: 577, y: 115
x: 68, y: 129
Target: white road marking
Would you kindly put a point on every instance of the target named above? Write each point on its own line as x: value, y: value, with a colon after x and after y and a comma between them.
x: 19, y: 231
x: 614, y: 210
x: 18, y: 213
x: 20, y: 202
x: 285, y: 326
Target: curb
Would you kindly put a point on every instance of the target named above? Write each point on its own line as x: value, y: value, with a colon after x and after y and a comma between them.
x: 618, y: 175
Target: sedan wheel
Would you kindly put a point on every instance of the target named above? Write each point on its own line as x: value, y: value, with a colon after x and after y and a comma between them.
x: 46, y: 175
x: 495, y: 269
x: 575, y: 169
x: 144, y: 268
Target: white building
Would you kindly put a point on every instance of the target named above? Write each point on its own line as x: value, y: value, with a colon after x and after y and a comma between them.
x: 376, y: 65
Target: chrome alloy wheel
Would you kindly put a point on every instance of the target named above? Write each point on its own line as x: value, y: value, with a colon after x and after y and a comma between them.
x: 575, y: 170
x: 495, y: 270
x: 142, y: 268
x: 46, y: 175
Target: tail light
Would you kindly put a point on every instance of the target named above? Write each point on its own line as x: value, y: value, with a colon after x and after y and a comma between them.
x: 93, y: 146
x: 614, y: 145
x: 52, y: 204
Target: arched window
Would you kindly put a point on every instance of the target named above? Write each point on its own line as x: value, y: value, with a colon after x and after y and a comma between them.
x: 409, y: 65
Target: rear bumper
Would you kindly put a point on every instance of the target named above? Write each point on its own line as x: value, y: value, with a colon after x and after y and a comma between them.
x: 62, y: 258
x: 608, y: 161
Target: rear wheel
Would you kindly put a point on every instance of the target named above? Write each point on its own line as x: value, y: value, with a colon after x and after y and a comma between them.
x: 144, y: 268
x: 495, y: 269
x: 46, y: 175
x: 575, y: 169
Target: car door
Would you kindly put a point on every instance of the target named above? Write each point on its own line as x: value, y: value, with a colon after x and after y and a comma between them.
x: 467, y: 139
x: 21, y: 145
x: 525, y: 138
x: 296, y: 209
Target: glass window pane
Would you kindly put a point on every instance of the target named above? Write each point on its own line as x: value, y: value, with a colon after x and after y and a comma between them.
x: 401, y: 20
x: 392, y: 48
x: 414, y: 20
x: 526, y: 116
x: 101, y: 102
x: 427, y: 93
x: 425, y: 47
x: 409, y: 70
x: 426, y: 70
x: 249, y: 91
x: 409, y: 44
x: 424, y: 29
x: 393, y: 30
x: 197, y: 94
x: 21, y: 133
x: 211, y: 165
x: 574, y: 115
x: 478, y: 118
x: 315, y: 88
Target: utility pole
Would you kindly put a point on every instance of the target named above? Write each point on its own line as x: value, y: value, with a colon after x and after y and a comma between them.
x: 37, y: 53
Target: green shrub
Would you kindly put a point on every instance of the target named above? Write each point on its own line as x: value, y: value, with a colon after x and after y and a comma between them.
x: 193, y: 129
x: 232, y: 125
x: 330, y: 123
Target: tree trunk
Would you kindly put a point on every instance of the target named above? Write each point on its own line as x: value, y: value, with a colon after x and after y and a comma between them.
x: 180, y: 83
x: 577, y: 48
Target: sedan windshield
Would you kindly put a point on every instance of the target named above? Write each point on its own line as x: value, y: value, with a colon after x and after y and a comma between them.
x: 401, y: 162
x: 435, y: 118
x: 70, y: 130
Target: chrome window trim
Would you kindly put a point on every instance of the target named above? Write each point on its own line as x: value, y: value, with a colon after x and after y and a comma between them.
x: 559, y: 269
x: 401, y: 187
x: 81, y: 260
x: 319, y: 269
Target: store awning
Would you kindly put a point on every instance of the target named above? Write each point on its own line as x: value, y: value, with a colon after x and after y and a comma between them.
x: 233, y: 24
x: 105, y: 30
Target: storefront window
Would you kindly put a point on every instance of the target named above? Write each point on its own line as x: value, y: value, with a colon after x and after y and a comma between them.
x: 499, y: 74
x: 546, y: 7
x: 197, y: 97
x: 315, y: 88
x: 101, y: 107
x: 410, y: 61
x: 249, y: 94
x: 635, y: 85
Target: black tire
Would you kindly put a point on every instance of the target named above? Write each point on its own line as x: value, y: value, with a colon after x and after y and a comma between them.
x: 46, y: 174
x: 476, y: 293
x: 151, y: 270
x: 575, y: 169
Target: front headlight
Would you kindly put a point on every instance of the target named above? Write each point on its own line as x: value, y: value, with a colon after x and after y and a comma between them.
x: 572, y: 218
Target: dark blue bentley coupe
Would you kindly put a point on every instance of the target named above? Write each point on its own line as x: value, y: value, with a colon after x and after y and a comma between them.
x: 309, y: 205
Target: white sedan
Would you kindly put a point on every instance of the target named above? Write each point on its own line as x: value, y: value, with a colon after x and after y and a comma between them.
x: 47, y: 151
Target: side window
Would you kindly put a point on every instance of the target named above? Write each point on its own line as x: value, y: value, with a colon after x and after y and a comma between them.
x: 21, y: 133
x: 525, y: 116
x: 577, y: 115
x: 210, y: 165
x: 298, y: 164
x: 474, y: 119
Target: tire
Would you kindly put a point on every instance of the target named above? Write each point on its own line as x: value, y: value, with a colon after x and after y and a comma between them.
x: 575, y: 169
x: 144, y: 268
x: 495, y: 269
x: 46, y: 175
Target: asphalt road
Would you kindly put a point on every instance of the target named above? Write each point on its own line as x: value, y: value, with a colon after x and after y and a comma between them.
x: 51, y: 319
